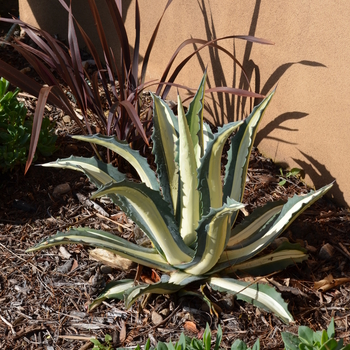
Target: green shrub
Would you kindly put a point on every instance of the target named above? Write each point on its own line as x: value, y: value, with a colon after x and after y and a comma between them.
x: 15, y: 130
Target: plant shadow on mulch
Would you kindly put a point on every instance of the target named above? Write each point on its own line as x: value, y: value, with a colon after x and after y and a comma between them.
x: 44, y: 296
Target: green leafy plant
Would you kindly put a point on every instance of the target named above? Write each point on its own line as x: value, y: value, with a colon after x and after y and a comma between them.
x: 118, y: 109
x: 99, y: 346
x: 307, y: 339
x: 187, y: 343
x: 186, y: 212
x: 284, y: 177
x: 15, y: 130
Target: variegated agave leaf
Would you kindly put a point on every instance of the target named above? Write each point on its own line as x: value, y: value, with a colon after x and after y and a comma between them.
x: 260, y: 295
x: 98, y: 172
x: 239, y: 153
x: 113, y: 290
x: 122, y: 148
x: 152, y: 213
x: 101, y: 239
x: 285, y: 255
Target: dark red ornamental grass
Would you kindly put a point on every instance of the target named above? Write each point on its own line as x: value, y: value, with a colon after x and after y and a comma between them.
x: 122, y: 85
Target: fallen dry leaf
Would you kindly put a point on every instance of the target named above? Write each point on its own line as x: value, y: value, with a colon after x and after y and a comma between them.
x: 74, y: 265
x: 191, y: 327
x: 111, y: 259
x: 122, y: 333
x: 329, y: 282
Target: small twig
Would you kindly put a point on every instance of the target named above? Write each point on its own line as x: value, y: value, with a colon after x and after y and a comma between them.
x: 44, y: 285
x: 9, y: 324
x: 17, y: 256
x: 332, y: 308
x: 342, y: 246
x: 76, y: 337
x: 113, y: 221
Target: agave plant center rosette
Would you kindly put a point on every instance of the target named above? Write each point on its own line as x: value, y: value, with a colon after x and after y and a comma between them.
x: 186, y: 212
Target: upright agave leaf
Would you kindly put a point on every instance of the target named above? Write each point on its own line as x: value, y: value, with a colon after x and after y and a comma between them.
x: 209, y: 172
x: 194, y: 117
x: 165, y: 136
x: 188, y: 186
x: 239, y: 153
x: 213, y: 233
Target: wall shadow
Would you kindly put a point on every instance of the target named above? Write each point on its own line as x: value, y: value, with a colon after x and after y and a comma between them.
x: 235, y: 107
x: 277, y: 124
x: 321, y: 176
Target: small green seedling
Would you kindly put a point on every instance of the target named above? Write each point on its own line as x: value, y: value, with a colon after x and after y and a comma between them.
x: 292, y: 172
x: 99, y: 346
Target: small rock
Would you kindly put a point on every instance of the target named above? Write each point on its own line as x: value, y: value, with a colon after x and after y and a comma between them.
x: 278, y: 241
x: 310, y: 248
x: 61, y: 189
x: 156, y: 318
x: 165, y: 312
x: 64, y: 253
x: 66, y: 267
x: 326, y: 252
x: 106, y: 269
x: 66, y: 119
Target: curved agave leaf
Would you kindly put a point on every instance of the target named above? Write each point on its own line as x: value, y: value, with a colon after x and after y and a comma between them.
x: 194, y: 117
x: 165, y: 136
x: 183, y: 278
x: 254, y: 222
x: 209, y: 172
x: 148, y: 207
x: 239, y: 153
x: 113, y: 290
x: 189, y: 205
x: 260, y: 239
x: 213, y: 233
x: 286, y: 255
x: 101, y: 239
x: 161, y: 287
x: 99, y: 172
x: 122, y: 148
x: 260, y: 295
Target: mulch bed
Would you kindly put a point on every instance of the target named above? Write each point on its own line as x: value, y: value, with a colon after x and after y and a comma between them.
x: 44, y: 296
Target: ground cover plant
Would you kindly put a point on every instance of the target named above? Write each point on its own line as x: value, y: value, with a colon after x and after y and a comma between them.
x: 16, y: 128
x: 187, y: 214
x: 108, y: 99
x: 307, y: 339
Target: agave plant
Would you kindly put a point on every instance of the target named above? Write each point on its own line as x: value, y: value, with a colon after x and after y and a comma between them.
x: 186, y: 212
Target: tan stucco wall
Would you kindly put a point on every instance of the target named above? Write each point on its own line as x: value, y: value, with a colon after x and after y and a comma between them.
x: 307, y: 124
